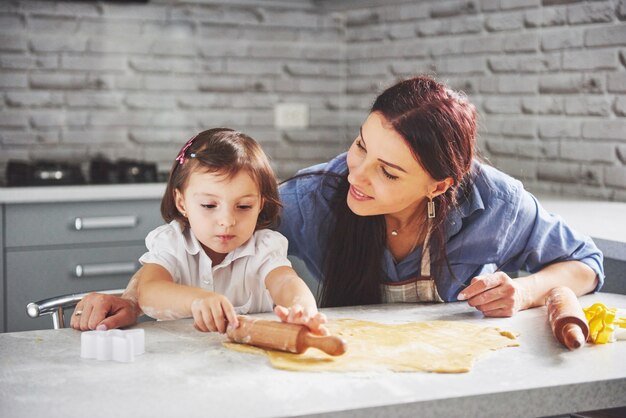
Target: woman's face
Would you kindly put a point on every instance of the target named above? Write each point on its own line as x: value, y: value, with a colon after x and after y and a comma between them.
x: 384, y: 176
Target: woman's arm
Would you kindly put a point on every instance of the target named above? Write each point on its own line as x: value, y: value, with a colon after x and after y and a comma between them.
x: 498, y: 295
x: 293, y: 299
x: 574, y: 274
x: 529, y: 238
x: 161, y: 298
x: 101, y: 311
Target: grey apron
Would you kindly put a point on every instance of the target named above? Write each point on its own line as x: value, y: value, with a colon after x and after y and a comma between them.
x: 418, y: 289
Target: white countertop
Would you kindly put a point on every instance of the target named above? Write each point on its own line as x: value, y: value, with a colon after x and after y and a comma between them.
x: 81, y: 193
x: 185, y: 372
x: 598, y: 219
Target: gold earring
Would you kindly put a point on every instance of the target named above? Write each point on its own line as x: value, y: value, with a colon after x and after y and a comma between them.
x: 431, y: 208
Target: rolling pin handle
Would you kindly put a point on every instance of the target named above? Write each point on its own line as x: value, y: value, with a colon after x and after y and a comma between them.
x: 573, y: 336
x: 332, y: 345
x: 567, y: 318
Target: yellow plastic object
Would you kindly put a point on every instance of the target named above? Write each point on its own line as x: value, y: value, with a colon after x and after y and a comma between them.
x: 602, y: 323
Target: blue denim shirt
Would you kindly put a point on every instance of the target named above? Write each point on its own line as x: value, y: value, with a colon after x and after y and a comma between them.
x: 498, y: 222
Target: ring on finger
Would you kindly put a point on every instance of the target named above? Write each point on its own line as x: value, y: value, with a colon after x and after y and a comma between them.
x: 78, y: 313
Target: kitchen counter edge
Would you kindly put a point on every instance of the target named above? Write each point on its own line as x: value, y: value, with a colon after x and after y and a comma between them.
x: 81, y: 193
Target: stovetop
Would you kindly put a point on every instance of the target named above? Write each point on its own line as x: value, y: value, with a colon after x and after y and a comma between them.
x: 63, y: 173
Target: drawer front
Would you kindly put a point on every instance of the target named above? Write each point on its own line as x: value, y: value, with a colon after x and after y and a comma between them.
x: 2, y: 299
x: 36, y: 275
x: 79, y: 223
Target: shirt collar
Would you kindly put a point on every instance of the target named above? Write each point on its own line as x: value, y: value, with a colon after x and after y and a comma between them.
x: 193, y: 247
x: 247, y: 249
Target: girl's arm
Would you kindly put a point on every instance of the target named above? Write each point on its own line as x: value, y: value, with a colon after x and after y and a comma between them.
x: 161, y: 298
x: 294, y: 301
x: 498, y: 295
x: 288, y: 289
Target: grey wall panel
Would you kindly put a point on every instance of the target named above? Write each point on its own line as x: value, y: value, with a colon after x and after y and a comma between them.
x: 615, y: 271
x: 2, y: 278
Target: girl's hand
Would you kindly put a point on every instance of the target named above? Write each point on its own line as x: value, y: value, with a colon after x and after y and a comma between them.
x: 213, y: 313
x: 494, y: 295
x: 298, y: 315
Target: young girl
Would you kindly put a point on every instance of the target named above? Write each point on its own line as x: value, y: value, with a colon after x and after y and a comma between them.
x: 216, y: 257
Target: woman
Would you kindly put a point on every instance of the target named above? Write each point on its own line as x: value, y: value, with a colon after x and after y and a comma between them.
x: 409, y: 215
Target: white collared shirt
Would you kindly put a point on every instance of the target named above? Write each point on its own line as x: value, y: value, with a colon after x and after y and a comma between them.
x: 240, y: 276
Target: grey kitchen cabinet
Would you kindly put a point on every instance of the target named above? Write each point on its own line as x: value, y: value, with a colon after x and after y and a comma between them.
x: 2, y: 282
x: 55, y: 248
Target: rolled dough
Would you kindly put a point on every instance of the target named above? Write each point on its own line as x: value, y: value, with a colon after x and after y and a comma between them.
x: 431, y: 346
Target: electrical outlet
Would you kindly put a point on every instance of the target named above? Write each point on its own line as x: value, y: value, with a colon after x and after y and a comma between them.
x: 291, y: 115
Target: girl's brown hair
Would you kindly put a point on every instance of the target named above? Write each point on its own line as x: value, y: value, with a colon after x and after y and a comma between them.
x: 439, y: 126
x: 227, y: 152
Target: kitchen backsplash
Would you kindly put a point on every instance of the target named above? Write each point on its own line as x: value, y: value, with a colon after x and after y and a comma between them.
x: 134, y: 80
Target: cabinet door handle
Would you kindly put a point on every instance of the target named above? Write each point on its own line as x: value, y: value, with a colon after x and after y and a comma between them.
x: 105, y: 222
x: 89, y: 270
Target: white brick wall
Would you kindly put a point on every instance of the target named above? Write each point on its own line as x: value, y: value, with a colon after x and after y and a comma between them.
x: 136, y: 80
x: 548, y: 77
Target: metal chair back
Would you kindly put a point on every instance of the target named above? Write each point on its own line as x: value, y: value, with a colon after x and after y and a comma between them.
x: 54, y: 306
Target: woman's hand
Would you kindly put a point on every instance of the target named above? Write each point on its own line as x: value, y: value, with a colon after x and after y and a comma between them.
x: 495, y: 295
x: 296, y: 314
x: 213, y: 313
x: 101, y: 312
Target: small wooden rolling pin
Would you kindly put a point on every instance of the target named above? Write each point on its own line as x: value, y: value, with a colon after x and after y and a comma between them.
x: 284, y: 337
x: 567, y: 318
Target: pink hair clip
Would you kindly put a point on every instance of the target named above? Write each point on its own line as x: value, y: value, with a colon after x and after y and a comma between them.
x: 181, y: 154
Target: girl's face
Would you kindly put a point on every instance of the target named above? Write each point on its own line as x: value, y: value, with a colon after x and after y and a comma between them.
x: 222, y: 212
x: 384, y: 176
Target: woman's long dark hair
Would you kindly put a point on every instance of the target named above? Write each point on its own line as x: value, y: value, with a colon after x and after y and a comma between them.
x: 439, y: 126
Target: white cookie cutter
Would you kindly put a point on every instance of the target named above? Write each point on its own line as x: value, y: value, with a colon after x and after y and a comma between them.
x: 114, y: 344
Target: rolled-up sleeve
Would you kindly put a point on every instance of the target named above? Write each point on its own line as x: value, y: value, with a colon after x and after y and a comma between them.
x: 535, y: 238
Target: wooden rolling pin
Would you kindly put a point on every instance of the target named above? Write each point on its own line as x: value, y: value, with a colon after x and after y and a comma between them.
x: 567, y: 318
x: 284, y: 337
